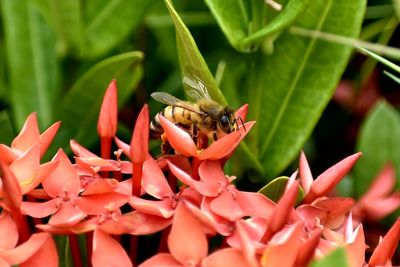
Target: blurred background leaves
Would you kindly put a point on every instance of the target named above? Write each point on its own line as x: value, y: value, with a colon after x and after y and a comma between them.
x: 57, y: 58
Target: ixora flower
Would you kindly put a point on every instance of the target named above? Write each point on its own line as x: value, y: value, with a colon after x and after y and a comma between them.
x: 188, y: 246
x: 39, y: 248
x: 28, y: 137
x: 183, y: 143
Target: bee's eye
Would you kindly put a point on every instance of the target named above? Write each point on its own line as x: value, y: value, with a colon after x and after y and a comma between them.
x: 224, y: 121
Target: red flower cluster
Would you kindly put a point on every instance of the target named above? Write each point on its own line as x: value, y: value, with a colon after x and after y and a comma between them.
x: 187, y: 196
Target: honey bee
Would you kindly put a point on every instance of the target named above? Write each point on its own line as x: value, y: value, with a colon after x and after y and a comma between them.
x: 203, y: 117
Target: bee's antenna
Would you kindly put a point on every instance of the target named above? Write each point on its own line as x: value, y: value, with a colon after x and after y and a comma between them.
x: 241, y: 121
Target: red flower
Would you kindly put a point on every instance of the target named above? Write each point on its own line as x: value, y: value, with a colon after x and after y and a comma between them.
x: 326, y: 181
x: 28, y: 137
x: 379, y: 201
x: 39, y: 248
x: 183, y: 143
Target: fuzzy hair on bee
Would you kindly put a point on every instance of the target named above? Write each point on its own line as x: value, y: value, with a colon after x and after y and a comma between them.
x: 203, y: 117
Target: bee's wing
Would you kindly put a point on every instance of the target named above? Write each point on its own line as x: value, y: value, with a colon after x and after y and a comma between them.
x: 171, y: 100
x: 196, y: 88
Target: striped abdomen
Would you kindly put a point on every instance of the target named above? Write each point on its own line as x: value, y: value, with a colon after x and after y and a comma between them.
x: 177, y: 115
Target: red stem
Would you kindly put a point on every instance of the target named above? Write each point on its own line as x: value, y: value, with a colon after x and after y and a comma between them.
x: 75, y: 251
x: 133, y: 249
x: 137, y: 178
x: 89, y: 248
x: 22, y: 225
x: 105, y: 147
x: 163, y: 246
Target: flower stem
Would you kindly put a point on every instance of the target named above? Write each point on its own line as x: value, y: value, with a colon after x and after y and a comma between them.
x: 137, y: 178
x: 89, y: 248
x: 75, y: 251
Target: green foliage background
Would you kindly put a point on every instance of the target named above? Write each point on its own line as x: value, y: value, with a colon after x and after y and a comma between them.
x: 57, y: 58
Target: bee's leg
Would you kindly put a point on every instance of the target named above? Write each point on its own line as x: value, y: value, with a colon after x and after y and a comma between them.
x: 165, y: 145
x: 195, y: 133
x: 241, y: 121
x: 215, y: 136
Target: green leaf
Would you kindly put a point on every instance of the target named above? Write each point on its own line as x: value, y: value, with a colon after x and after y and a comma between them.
x: 108, y: 22
x: 335, y: 258
x: 192, y: 62
x: 378, y: 141
x: 274, y: 189
x: 32, y: 62
x: 233, y: 19
x: 291, y: 87
x: 6, y: 128
x: 396, y: 5
x: 65, y: 18
x: 285, y: 18
x: 79, y: 109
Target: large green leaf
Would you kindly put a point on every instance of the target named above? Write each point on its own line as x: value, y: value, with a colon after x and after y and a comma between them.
x: 108, y: 22
x: 232, y: 18
x: 32, y: 61
x: 65, y: 17
x: 333, y: 259
x: 379, y: 143
x: 6, y: 128
x: 79, y: 109
x: 291, y: 87
x: 192, y: 62
x: 237, y: 26
x: 396, y: 5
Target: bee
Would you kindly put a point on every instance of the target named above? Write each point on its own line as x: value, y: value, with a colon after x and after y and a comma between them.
x: 203, y: 117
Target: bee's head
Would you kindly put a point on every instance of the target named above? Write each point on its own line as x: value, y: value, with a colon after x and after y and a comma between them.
x: 226, y: 120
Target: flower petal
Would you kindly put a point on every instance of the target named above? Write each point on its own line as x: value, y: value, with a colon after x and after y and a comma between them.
x: 383, y: 184
x: 326, y: 181
x: 163, y: 208
x: 46, y: 253
x: 231, y: 257
x: 180, y: 140
x: 307, y: 249
x: 356, y: 249
x: 337, y: 208
x: 386, y: 248
x: 28, y: 135
x: 104, y: 246
x: 161, y: 259
x: 26, y: 250
x: 187, y: 242
x: 46, y: 138
x: 140, y: 137
x: 306, y: 178
x: 12, y: 195
x: 145, y: 224
x: 227, y: 144
x: 8, y: 231
x: 283, y: 208
x: 8, y: 155
x: 99, y: 203
x: 40, y: 209
x: 26, y: 166
x: 379, y: 208
x: 254, y: 204
x: 242, y: 112
x: 108, y: 116
x: 67, y: 215
x: 63, y: 179
x: 283, y: 248
x: 154, y: 181
x: 80, y: 151
x: 226, y: 206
